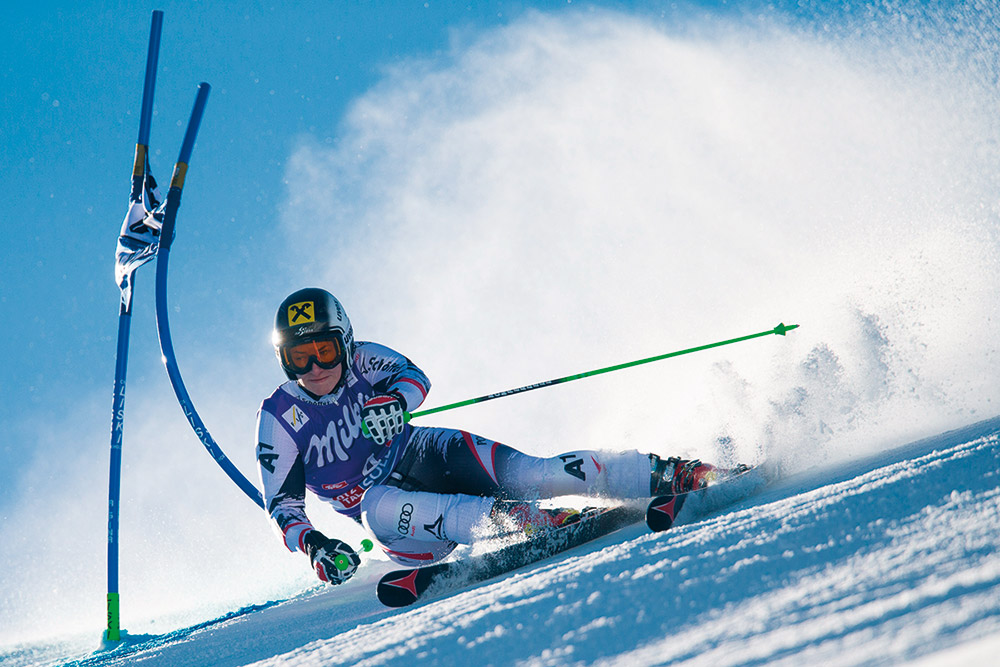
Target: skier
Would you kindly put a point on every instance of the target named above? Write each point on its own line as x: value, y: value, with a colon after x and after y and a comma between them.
x: 419, y: 491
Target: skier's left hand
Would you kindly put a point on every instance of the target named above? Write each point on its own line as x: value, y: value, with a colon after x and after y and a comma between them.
x: 384, y: 418
x: 334, y: 561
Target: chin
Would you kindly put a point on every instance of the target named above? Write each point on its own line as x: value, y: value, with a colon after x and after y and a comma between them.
x: 321, y: 388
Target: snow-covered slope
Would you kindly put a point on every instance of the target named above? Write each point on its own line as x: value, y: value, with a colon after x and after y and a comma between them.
x: 886, y: 559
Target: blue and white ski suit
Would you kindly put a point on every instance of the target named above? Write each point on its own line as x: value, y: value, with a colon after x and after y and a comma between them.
x: 428, y: 488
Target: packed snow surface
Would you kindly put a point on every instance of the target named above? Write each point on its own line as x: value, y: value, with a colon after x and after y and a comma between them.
x: 881, y: 560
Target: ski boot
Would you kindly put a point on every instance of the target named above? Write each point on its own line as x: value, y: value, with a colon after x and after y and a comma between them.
x: 675, y: 475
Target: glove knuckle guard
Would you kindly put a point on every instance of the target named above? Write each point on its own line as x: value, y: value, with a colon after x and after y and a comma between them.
x: 383, y: 416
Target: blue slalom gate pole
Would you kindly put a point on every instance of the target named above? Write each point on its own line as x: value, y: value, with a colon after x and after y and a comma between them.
x: 173, y: 202
x: 113, y: 632
x: 146, y: 112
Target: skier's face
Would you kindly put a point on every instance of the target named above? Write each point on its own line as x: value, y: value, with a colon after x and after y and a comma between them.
x: 321, y: 381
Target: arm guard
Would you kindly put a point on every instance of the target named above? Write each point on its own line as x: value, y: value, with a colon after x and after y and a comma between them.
x: 282, y: 476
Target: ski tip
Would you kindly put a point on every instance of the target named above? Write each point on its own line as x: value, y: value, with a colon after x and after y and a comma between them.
x: 662, y: 510
x: 400, y: 588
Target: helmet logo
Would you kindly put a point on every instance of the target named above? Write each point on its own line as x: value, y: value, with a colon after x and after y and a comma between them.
x: 301, y: 313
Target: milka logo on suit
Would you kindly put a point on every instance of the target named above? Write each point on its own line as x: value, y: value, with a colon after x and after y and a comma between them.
x: 339, y: 437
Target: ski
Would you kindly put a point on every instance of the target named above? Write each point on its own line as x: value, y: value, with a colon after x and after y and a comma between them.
x: 400, y: 588
x: 673, y: 509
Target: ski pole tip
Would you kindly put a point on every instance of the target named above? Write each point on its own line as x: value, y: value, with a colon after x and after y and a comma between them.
x: 782, y: 328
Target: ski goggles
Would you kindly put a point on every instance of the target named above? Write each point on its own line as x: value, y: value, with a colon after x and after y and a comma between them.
x: 326, y: 352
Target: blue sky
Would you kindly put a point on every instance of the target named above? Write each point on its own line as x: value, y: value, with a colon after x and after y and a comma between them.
x: 71, y: 86
x: 282, y: 75
x: 71, y: 83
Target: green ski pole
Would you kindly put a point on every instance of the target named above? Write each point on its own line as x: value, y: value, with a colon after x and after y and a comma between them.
x: 779, y: 330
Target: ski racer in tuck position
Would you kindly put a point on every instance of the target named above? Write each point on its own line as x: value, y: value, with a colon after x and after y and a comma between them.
x: 419, y: 491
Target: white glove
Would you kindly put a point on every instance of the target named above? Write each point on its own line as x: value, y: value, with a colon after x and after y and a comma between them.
x: 334, y: 561
x: 384, y: 418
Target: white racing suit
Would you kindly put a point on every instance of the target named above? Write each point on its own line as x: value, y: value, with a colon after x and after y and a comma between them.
x: 427, y: 489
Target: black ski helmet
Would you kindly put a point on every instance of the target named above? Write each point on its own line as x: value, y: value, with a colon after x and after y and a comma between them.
x: 309, y: 314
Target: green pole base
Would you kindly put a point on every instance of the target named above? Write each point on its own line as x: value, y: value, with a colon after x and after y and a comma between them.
x: 113, y: 633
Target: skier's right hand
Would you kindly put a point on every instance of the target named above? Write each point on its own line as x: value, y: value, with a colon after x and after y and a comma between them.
x: 384, y: 417
x: 334, y: 561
